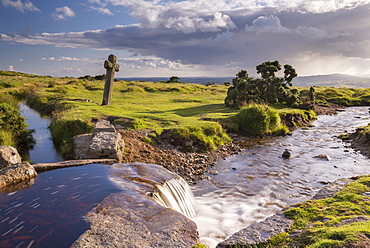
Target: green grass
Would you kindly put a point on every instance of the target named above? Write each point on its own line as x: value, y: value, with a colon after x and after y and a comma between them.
x: 145, y: 105
x: 343, y: 96
x: 318, y: 219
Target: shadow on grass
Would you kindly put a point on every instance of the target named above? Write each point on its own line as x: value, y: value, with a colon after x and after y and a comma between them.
x: 201, y: 110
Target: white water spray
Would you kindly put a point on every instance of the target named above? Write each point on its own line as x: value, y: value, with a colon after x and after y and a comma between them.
x: 176, y: 194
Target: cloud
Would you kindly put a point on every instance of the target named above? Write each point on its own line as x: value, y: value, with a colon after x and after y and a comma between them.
x: 20, y: 6
x: 63, y: 13
x: 267, y: 24
x: 101, y: 10
x: 321, y: 6
x: 10, y: 68
x: 311, y: 33
x: 225, y: 36
x: 194, y: 24
x: 63, y: 58
x: 359, y: 49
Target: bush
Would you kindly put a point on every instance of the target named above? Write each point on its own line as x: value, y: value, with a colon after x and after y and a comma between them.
x: 13, y: 127
x: 208, y: 136
x: 259, y: 120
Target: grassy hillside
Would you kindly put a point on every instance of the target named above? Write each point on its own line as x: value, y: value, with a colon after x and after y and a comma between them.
x: 76, y: 103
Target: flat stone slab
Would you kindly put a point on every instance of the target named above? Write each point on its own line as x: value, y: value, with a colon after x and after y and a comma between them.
x: 52, y: 166
x: 104, y: 126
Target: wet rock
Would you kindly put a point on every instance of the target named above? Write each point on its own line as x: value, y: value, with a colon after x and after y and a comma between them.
x: 323, y: 157
x: 213, y: 172
x: 16, y: 173
x: 286, y: 154
x: 258, y: 233
x: 8, y: 156
x: 132, y: 218
x: 333, y: 188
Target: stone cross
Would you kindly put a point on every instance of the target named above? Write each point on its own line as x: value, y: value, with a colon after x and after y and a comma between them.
x: 111, y: 66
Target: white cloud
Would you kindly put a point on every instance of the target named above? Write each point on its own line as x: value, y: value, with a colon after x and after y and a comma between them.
x: 191, y: 25
x: 11, y: 68
x: 101, y: 10
x: 62, y: 13
x: 63, y: 58
x: 20, y: 6
x: 321, y: 6
x: 267, y: 24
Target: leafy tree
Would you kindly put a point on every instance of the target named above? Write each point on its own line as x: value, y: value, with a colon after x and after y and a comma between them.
x: 267, y: 89
x: 174, y: 79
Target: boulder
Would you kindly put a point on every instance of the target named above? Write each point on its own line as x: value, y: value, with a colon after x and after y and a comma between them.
x: 99, y: 145
x: 258, y: 233
x: 81, y: 144
x: 16, y: 173
x: 106, y: 145
x: 286, y: 154
x: 8, y: 156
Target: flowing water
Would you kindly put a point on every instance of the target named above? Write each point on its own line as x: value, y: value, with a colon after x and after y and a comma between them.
x: 258, y: 182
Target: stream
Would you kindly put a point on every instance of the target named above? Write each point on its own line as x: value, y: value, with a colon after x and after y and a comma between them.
x: 250, y: 186
x: 258, y: 182
x: 43, y: 151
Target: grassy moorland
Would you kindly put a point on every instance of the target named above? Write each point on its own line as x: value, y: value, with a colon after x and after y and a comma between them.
x: 189, y: 109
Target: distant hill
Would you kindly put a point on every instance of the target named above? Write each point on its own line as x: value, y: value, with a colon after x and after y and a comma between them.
x: 333, y: 80
x: 192, y: 80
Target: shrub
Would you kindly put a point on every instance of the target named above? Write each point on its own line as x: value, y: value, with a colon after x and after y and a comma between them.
x: 6, y: 138
x: 13, y: 127
x: 207, y: 136
x: 259, y: 120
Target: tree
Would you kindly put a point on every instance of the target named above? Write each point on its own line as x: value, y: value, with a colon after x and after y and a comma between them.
x: 174, y: 79
x: 267, y: 89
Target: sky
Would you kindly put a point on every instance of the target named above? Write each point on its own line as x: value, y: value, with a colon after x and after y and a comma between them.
x: 186, y: 38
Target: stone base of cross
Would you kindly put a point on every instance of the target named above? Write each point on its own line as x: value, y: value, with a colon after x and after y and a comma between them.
x: 111, y: 66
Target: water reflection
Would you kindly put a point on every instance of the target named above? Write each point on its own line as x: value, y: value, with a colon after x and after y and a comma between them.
x: 50, y: 213
x: 43, y: 151
x: 258, y: 182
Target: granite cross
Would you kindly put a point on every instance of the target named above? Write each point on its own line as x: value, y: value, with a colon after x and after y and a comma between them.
x: 111, y: 66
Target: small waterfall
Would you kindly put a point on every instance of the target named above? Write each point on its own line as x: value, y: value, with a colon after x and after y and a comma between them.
x: 163, y: 186
x: 176, y: 194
